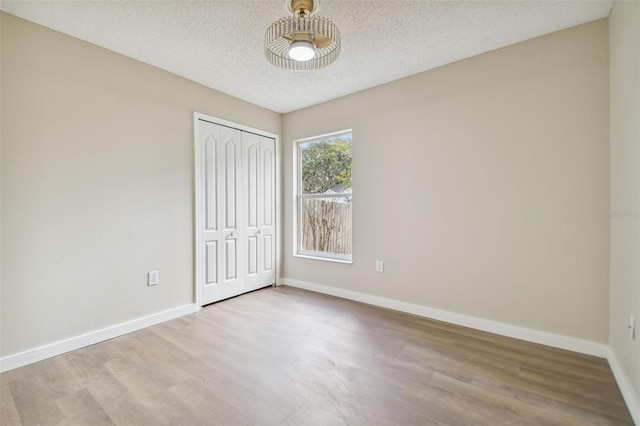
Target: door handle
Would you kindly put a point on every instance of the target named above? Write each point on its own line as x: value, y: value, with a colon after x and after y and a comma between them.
x: 229, y: 236
x: 257, y: 232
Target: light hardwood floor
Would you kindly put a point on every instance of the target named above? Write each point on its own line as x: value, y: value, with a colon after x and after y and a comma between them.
x: 283, y: 356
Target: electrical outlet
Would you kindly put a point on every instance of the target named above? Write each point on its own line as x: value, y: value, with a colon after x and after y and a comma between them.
x: 632, y: 327
x: 379, y: 266
x: 153, y: 278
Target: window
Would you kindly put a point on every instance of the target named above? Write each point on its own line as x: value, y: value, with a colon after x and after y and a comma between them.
x: 323, y: 207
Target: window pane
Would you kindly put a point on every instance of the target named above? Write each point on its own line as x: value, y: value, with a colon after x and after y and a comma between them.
x: 325, y: 225
x: 325, y: 165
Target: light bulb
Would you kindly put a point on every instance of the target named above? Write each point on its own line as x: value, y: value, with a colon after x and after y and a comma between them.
x: 301, y: 50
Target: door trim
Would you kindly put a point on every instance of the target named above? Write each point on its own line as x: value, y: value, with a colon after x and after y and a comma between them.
x: 197, y: 174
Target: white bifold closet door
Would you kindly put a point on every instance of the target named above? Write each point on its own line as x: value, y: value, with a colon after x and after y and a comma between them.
x: 237, y: 205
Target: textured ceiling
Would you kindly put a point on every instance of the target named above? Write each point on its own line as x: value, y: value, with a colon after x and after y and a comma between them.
x: 220, y: 43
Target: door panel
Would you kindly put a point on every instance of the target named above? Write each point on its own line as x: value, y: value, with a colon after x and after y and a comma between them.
x: 266, y: 219
x: 250, y: 173
x: 211, y: 267
x: 218, y: 198
x: 252, y: 267
x: 267, y: 249
x: 229, y: 172
x: 209, y: 203
x: 252, y: 185
x: 231, y: 257
x: 211, y: 183
x: 268, y: 183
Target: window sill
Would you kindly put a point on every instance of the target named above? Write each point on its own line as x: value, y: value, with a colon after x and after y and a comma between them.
x: 326, y: 259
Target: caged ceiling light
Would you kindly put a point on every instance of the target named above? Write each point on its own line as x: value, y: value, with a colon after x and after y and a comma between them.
x: 302, y: 42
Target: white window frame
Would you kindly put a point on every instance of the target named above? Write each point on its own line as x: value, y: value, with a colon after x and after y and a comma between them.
x: 297, y: 197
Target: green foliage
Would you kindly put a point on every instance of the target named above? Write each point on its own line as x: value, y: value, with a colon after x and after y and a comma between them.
x: 325, y: 165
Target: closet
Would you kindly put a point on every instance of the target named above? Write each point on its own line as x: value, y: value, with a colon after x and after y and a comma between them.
x: 235, y: 209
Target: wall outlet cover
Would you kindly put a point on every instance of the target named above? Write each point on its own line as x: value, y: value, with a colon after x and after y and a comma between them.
x: 153, y: 278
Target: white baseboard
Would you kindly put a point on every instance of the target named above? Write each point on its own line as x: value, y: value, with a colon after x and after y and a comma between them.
x: 34, y: 355
x: 628, y: 393
x: 544, y: 338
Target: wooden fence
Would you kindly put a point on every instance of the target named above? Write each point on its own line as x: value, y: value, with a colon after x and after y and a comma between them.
x: 326, y: 225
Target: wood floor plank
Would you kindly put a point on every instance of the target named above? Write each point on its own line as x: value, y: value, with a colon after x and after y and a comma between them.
x: 8, y: 410
x: 81, y: 408
x: 284, y: 356
x: 34, y: 403
x: 204, y: 406
x: 128, y: 409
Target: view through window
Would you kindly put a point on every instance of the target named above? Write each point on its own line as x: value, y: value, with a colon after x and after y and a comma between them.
x: 324, y: 195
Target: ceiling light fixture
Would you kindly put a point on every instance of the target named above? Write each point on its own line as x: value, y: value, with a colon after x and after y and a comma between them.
x: 304, y: 41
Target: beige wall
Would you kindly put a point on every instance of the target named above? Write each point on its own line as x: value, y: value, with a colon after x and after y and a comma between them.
x: 97, y: 184
x: 482, y: 184
x: 624, y: 36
